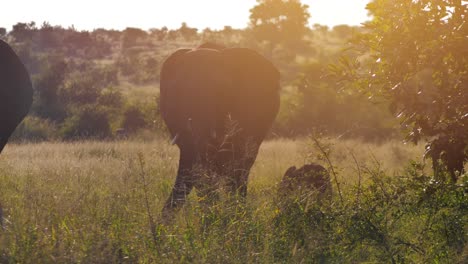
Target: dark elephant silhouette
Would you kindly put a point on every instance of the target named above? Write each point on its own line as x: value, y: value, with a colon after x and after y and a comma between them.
x: 218, y: 105
x: 15, y: 95
x: 308, y: 177
x: 447, y: 154
x: 15, y: 92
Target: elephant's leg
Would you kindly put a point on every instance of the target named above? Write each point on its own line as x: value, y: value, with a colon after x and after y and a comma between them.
x: 241, y: 168
x: 241, y: 176
x: 208, y: 182
x: 184, y: 182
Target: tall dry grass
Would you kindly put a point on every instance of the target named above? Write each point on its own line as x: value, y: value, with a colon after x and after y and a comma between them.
x: 84, y: 201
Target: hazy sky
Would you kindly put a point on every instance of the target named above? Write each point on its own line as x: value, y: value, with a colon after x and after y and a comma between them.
x: 145, y: 14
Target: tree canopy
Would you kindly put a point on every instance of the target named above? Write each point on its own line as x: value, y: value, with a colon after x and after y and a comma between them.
x: 418, y: 60
x: 279, y: 21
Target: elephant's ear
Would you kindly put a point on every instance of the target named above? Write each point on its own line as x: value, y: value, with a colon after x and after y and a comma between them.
x: 15, y: 83
x: 252, y: 69
x: 168, y: 75
x: 169, y: 67
x: 253, y: 98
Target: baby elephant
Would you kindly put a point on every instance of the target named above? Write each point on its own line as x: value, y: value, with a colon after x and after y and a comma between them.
x: 309, y: 177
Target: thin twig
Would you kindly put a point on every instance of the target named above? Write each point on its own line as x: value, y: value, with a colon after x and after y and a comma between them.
x: 376, y: 176
x: 152, y: 225
x: 325, y: 154
x: 359, y: 177
x: 1, y: 217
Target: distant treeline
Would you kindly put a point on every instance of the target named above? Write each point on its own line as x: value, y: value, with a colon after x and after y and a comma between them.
x: 87, y: 82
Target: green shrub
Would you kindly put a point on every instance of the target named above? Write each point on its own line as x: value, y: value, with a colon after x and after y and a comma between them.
x: 412, y: 218
x: 88, y: 122
x: 133, y: 119
x: 111, y: 98
x: 86, y: 83
x: 313, y: 103
x: 35, y: 129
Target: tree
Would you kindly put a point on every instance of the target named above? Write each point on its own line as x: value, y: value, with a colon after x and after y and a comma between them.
x: 131, y: 36
x: 279, y: 21
x: 187, y: 32
x: 343, y: 31
x: 160, y: 34
x: 90, y: 121
x: 75, y: 41
x: 227, y: 30
x: 47, y: 85
x: 419, y: 63
x: 23, y: 32
x: 321, y: 28
x: 3, y: 32
x: 49, y: 36
x: 208, y: 35
x: 315, y: 104
x: 172, y: 35
x: 85, y: 86
x: 133, y: 119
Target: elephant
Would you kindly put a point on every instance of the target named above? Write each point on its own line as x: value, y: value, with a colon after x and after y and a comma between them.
x: 447, y: 153
x: 309, y: 177
x: 218, y: 105
x: 15, y: 92
x: 15, y: 95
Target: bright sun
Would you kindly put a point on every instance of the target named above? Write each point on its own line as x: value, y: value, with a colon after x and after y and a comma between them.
x: 118, y: 14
